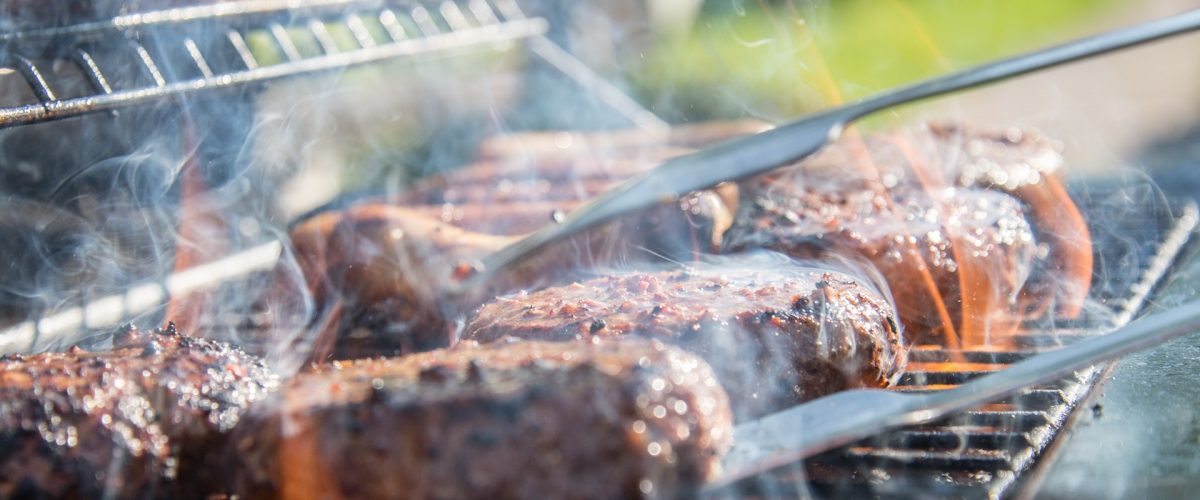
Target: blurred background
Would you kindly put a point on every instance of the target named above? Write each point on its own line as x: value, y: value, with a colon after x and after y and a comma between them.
x: 776, y: 60
x: 696, y: 60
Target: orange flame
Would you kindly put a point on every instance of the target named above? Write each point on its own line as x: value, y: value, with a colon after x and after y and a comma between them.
x: 949, y: 333
x: 202, y: 233
x: 982, y: 320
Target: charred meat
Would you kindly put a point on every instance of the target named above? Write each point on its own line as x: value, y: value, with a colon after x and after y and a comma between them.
x: 376, y: 270
x: 776, y: 333
x: 376, y: 273
x: 522, y: 420
x: 971, y: 231
x: 147, y: 419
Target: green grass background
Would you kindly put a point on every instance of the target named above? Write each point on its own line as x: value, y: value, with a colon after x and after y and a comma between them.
x: 782, y: 59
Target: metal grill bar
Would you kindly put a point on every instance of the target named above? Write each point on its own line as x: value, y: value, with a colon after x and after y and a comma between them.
x: 361, y: 34
x: 271, y: 17
x: 198, y: 58
x: 36, y: 81
x: 239, y: 45
x: 284, y: 41
x: 148, y: 64
x: 392, y: 24
x: 85, y: 60
x: 244, y: 13
x: 106, y: 313
x: 324, y: 38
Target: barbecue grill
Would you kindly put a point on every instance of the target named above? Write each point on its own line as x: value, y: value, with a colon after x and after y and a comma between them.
x: 142, y: 65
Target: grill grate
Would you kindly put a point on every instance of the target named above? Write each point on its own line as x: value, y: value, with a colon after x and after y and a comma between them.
x: 131, y: 60
x: 982, y: 453
x: 185, y: 51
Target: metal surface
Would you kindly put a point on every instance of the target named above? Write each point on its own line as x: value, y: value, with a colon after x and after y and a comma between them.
x: 413, y: 31
x: 745, y: 157
x: 1139, y: 434
x: 107, y: 313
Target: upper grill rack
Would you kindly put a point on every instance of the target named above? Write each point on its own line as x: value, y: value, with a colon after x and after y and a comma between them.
x: 185, y: 51
x: 167, y: 55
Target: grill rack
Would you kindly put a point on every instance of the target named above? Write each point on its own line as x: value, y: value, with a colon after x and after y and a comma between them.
x: 978, y: 453
x: 382, y: 30
x: 185, y: 51
x: 991, y: 451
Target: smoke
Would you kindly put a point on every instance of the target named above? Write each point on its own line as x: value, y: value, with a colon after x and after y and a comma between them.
x: 202, y: 202
x: 124, y: 200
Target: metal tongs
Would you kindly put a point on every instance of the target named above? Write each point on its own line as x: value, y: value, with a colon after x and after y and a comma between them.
x: 845, y: 417
x: 848, y: 416
x: 787, y: 144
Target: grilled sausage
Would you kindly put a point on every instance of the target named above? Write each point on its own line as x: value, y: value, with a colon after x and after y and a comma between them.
x: 776, y: 333
x: 522, y: 420
x: 148, y: 419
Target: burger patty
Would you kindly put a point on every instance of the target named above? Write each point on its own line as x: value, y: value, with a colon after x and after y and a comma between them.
x: 521, y: 420
x: 376, y: 270
x: 775, y: 332
x: 921, y: 244
x: 149, y: 418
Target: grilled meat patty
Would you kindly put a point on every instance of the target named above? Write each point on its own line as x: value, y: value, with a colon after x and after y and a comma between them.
x: 521, y: 420
x: 971, y: 231
x: 376, y: 273
x: 146, y: 419
x: 375, y: 270
x: 776, y: 333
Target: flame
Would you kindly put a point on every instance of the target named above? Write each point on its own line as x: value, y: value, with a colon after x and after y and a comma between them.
x: 835, y: 97
x: 922, y: 32
x: 826, y: 81
x: 982, y: 321
x: 202, y: 233
x: 953, y: 366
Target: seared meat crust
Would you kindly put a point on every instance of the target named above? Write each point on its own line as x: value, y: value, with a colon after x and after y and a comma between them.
x: 522, y: 420
x: 376, y: 270
x: 971, y: 230
x: 148, y: 419
x: 775, y: 334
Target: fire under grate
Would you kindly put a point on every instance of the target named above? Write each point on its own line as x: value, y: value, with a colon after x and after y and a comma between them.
x: 986, y: 451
